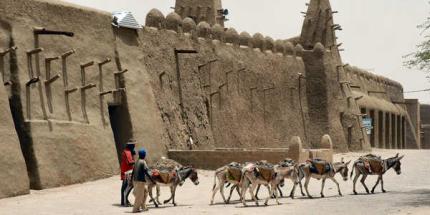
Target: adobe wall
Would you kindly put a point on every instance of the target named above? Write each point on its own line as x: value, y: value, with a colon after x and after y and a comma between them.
x: 202, y: 10
x: 332, y: 109
x: 57, y: 150
x: 13, y: 175
x: 394, y: 121
x: 244, y: 96
x: 425, y: 126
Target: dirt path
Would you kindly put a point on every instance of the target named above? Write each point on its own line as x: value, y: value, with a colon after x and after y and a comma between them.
x: 408, y: 193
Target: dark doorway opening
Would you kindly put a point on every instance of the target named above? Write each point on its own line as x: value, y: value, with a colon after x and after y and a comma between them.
x: 121, y: 126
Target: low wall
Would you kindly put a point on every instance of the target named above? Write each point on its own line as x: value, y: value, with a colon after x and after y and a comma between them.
x: 213, y: 159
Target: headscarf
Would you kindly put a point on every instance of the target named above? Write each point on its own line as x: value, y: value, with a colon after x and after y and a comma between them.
x: 142, y: 153
x: 130, y: 146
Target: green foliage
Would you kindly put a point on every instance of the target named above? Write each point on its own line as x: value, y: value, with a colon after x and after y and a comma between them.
x: 421, y: 58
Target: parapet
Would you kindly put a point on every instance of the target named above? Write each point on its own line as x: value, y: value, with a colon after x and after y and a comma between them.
x: 203, y: 30
x: 269, y: 43
x: 155, y: 19
x: 217, y: 32
x: 373, y: 77
x: 173, y: 22
x: 245, y: 39
x: 231, y: 36
x: 258, y: 41
x: 188, y: 25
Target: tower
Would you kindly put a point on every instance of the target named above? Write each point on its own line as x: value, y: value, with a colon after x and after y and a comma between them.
x: 331, y: 103
x: 210, y: 11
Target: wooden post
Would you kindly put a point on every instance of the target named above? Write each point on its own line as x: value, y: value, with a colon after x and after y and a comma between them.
x: 101, y: 90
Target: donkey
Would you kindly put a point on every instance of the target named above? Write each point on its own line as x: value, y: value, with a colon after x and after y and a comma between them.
x: 253, y: 176
x: 371, y: 165
x: 334, y: 168
x: 294, y: 176
x: 175, y: 177
x: 231, y: 174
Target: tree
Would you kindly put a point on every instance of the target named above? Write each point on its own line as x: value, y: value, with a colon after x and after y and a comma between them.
x: 421, y: 58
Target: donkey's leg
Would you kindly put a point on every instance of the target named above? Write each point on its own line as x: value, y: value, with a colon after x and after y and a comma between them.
x: 363, y: 179
x: 251, y: 191
x: 322, y: 187
x: 256, y: 192
x: 293, y: 190
x: 382, y: 185
x: 301, y: 188
x: 376, y: 184
x: 238, y: 191
x: 231, y: 193
x: 243, y: 192
x: 280, y: 191
x: 268, y: 190
x: 271, y: 189
x: 307, y: 179
x: 171, y: 195
x: 337, y: 184
x: 357, y: 174
x: 221, y: 190
x: 157, y: 188
x: 216, y: 188
x: 150, y: 188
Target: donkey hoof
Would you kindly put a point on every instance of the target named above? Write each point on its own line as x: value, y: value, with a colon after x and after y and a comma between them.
x: 174, y: 204
x: 384, y: 191
x: 322, y: 196
x: 311, y: 197
x: 355, y: 193
x: 340, y: 194
x: 265, y: 204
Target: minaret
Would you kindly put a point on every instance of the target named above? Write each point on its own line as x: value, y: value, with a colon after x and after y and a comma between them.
x: 210, y: 11
x: 319, y: 26
x: 329, y: 92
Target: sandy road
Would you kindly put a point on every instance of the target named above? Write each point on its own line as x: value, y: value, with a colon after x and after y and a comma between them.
x: 408, y: 193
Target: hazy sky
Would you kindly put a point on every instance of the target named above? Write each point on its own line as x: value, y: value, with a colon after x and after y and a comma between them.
x: 376, y: 33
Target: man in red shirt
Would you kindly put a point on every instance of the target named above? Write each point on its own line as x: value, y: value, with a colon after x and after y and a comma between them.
x: 127, y: 164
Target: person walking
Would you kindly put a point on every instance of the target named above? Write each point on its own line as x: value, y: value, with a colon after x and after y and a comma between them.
x: 140, y: 175
x: 127, y: 164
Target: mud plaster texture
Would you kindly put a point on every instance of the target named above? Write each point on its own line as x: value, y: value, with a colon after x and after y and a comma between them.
x: 425, y: 124
x: 13, y: 179
x: 222, y: 88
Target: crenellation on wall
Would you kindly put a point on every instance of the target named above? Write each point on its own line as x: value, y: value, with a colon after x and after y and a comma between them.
x: 182, y: 76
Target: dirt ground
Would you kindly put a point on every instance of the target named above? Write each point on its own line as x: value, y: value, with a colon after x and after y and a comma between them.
x: 408, y: 193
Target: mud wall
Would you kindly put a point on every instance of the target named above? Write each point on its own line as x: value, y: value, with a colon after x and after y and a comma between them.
x: 425, y: 126
x: 61, y: 146
x: 235, y: 91
x: 382, y: 99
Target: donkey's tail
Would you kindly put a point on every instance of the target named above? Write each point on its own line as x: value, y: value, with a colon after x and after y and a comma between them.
x: 213, y: 188
x: 352, y: 170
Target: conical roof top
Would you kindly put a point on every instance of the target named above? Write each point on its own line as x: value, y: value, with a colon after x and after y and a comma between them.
x: 125, y: 19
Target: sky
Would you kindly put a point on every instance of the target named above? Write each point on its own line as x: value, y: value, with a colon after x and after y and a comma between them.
x: 376, y: 33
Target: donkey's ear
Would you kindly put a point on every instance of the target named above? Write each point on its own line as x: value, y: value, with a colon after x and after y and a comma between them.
x: 347, y: 163
x: 397, y: 155
x: 341, y: 160
x: 401, y: 157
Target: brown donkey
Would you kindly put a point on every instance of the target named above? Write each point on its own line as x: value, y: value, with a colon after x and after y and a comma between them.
x: 373, y: 165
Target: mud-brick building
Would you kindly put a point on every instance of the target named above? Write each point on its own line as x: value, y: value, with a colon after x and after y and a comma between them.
x: 74, y: 91
x: 425, y: 126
